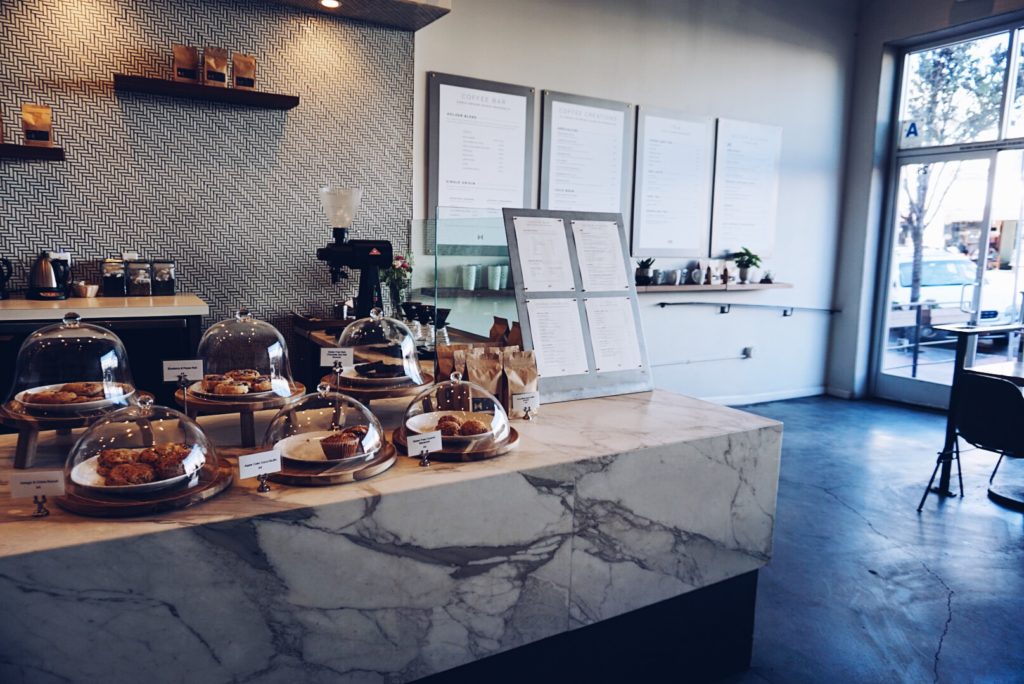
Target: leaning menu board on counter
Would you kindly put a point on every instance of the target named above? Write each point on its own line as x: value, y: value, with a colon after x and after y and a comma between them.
x: 577, y: 304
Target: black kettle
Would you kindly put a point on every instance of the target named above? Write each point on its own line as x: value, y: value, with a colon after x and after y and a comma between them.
x: 5, y: 277
x: 48, y: 278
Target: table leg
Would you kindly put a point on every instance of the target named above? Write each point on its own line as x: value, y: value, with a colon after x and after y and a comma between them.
x: 247, y: 426
x: 946, y: 472
x: 25, y: 451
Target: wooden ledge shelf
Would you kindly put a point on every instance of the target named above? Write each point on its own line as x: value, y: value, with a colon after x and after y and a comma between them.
x: 126, y: 83
x: 731, y: 287
x: 10, y: 151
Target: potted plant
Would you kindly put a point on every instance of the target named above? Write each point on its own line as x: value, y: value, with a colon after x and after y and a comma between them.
x: 745, y: 260
x: 644, y: 273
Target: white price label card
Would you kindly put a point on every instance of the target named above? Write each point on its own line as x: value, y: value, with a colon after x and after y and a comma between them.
x: 25, y: 485
x: 428, y: 441
x: 263, y: 463
x: 524, y: 400
x: 328, y: 355
x: 130, y: 255
x: 192, y: 368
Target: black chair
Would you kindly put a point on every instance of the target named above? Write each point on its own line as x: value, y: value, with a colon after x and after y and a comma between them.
x: 987, y: 414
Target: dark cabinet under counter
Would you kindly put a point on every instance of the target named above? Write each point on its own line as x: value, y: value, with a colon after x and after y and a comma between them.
x: 153, y: 329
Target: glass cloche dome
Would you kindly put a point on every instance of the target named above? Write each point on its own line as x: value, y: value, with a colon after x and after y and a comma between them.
x: 244, y: 356
x: 384, y: 352
x: 140, y: 451
x: 71, y: 367
x: 469, y: 417
x: 325, y: 426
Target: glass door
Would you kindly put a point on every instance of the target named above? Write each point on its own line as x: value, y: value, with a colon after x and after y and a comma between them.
x: 955, y: 207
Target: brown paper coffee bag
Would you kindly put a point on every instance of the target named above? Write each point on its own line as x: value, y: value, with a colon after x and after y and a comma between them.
x: 445, y: 360
x: 499, y: 331
x: 243, y: 70
x: 485, y: 370
x: 37, y: 122
x: 186, y: 64
x: 520, y: 377
x: 215, y: 67
x: 515, y: 336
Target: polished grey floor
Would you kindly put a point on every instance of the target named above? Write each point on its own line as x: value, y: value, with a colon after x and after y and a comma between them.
x: 862, y: 588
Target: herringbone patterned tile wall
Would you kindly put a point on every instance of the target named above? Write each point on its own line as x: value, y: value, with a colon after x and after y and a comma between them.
x: 229, y: 192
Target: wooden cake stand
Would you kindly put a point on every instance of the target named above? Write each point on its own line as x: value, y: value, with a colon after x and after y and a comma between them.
x: 199, y: 406
x: 366, y: 394
x: 324, y: 473
x: 28, y: 425
x: 454, y: 454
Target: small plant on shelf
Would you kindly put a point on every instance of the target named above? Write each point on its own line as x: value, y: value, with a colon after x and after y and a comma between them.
x: 644, y: 275
x: 746, y: 260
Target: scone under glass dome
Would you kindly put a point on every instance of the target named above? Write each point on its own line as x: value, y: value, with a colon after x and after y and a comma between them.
x: 384, y: 352
x: 140, y: 451
x: 468, y: 417
x: 71, y: 368
x: 245, y: 358
x: 325, y: 426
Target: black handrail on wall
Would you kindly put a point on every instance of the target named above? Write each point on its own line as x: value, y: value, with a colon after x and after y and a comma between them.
x: 725, y: 308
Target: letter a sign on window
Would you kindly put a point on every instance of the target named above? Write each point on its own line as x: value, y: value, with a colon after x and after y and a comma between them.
x: 911, y: 130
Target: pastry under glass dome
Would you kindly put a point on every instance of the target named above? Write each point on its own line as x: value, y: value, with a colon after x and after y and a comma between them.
x: 384, y: 352
x: 71, y: 368
x: 469, y: 417
x: 245, y: 358
x: 325, y: 426
x: 141, y: 451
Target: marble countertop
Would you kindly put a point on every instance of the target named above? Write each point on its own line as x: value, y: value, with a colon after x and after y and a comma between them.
x: 564, y: 433
x: 103, y: 307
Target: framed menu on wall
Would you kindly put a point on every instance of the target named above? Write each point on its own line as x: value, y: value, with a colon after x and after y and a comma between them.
x: 577, y: 306
x: 586, y: 154
x: 479, y: 155
x: 746, y: 194
x: 672, y: 198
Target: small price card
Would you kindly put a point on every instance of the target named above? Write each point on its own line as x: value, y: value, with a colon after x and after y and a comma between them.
x: 192, y: 368
x: 262, y: 463
x: 523, y: 400
x: 25, y: 485
x: 428, y: 441
x: 328, y: 355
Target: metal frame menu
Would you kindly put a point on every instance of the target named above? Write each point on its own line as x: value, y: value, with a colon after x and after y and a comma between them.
x: 746, y: 196
x: 674, y: 169
x: 577, y: 305
x: 586, y: 154
x: 479, y: 154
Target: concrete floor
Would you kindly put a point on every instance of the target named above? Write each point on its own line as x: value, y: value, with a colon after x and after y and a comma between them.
x: 862, y: 588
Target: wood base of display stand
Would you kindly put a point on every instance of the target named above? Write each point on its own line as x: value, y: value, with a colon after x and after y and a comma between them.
x: 451, y: 455
x: 367, y: 394
x: 13, y: 415
x: 198, y: 406
x: 323, y: 474
x: 212, y: 481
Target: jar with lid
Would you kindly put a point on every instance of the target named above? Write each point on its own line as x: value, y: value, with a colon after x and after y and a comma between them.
x: 163, y: 277
x: 113, y: 278
x: 140, y: 279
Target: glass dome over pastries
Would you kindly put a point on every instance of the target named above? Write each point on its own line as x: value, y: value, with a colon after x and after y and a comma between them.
x: 384, y: 352
x: 468, y: 417
x: 71, y: 368
x: 143, y: 451
x: 325, y: 426
x: 245, y: 359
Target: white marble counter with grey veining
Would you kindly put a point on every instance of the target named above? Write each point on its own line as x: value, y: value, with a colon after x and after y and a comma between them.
x: 609, y: 505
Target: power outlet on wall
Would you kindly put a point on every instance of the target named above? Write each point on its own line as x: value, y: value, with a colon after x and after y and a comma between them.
x: 747, y: 353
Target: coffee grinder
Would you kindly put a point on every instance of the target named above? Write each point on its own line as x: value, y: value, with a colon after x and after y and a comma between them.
x: 366, y: 256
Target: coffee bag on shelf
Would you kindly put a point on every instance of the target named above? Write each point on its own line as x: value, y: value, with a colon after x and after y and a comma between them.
x: 243, y: 70
x: 37, y: 122
x: 215, y: 67
x: 186, y: 67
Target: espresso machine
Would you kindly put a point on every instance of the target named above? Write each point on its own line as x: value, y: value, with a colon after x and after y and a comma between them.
x: 365, y: 256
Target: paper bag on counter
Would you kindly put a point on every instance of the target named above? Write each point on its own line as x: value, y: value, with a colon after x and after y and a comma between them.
x: 499, y: 331
x: 485, y: 370
x: 515, y: 336
x: 520, y: 377
x: 445, y: 359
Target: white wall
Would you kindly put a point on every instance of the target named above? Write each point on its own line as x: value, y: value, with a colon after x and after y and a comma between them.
x: 781, y: 62
x: 881, y: 23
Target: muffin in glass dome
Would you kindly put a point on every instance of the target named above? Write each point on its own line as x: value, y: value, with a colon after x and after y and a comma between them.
x: 325, y: 426
x: 140, y: 451
x: 71, y: 368
x: 384, y: 353
x: 246, y: 359
x: 468, y: 417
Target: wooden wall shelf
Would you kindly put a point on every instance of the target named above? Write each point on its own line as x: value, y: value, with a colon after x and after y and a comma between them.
x: 731, y: 287
x: 407, y: 15
x: 196, y: 91
x: 10, y: 151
